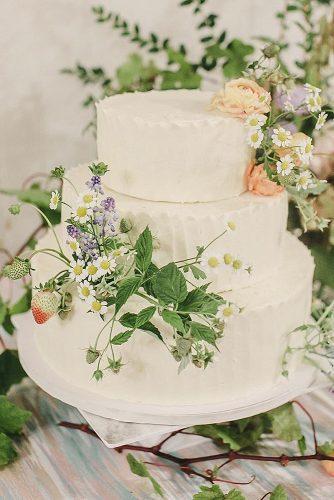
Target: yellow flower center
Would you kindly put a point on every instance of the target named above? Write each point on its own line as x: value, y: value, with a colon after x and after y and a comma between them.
x: 77, y: 269
x: 96, y: 306
x: 91, y: 269
x: 255, y: 137
x: 308, y: 148
x: 88, y: 198
x: 105, y: 265
x: 73, y: 245
x: 282, y: 136
x: 285, y: 165
x: 253, y: 122
x: 85, y: 291
x: 227, y: 311
x: 81, y: 212
x: 228, y: 259
x: 231, y: 225
x: 117, y: 253
x: 213, y: 262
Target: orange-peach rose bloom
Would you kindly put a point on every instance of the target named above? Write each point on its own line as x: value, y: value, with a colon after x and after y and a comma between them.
x: 258, y: 182
x: 242, y: 97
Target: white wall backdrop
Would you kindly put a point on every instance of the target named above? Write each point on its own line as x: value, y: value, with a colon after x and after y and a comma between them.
x: 41, y: 118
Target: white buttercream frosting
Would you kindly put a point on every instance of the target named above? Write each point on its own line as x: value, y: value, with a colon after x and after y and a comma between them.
x: 249, y: 357
x: 179, y: 228
x: 168, y: 146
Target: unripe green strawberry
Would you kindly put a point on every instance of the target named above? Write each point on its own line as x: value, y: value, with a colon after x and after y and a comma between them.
x: 17, y: 269
x: 44, y: 305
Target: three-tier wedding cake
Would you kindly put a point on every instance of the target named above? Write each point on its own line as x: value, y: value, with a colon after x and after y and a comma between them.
x: 179, y: 168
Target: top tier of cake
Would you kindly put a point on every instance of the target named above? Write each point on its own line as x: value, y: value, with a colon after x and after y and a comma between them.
x: 168, y: 146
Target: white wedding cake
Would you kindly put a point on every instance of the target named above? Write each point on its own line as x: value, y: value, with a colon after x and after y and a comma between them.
x: 179, y: 168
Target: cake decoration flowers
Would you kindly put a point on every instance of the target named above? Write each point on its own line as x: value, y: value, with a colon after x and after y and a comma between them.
x: 282, y: 156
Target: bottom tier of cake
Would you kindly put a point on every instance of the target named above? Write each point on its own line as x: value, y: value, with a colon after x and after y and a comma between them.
x: 249, y: 357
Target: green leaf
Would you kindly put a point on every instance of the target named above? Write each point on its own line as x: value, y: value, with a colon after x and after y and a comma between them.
x: 170, y: 285
x: 302, y: 445
x: 327, y: 448
x: 198, y: 300
x: 22, y: 305
x: 284, y: 423
x: 11, y: 371
x: 7, y: 451
x: 144, y: 249
x: 127, y: 288
x: 324, y: 264
x: 279, y: 493
x: 121, y: 338
x: 215, y: 493
x: 144, y: 316
x: 12, y: 418
x: 203, y: 332
x: 236, y: 58
x: 149, y: 276
x: 173, y: 319
x: 197, y: 272
x: 129, y: 321
x: 140, y: 469
x: 3, y: 311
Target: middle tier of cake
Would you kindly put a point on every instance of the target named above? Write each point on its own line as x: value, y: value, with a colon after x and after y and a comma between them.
x: 178, y: 228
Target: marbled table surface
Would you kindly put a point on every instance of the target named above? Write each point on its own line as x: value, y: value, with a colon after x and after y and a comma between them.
x: 58, y: 463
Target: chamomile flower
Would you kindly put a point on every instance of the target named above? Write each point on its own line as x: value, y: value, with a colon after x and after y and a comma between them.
x: 77, y: 270
x: 311, y: 89
x: 82, y: 213
x: 74, y: 246
x: 97, y: 306
x: 304, y: 180
x: 304, y: 150
x: 285, y: 165
x: 92, y: 270
x: 227, y: 311
x: 87, y: 199
x: 54, y: 200
x: 255, y: 121
x: 255, y: 138
x: 105, y: 265
x: 209, y: 261
x: 281, y: 137
x: 321, y: 120
x: 313, y: 103
x: 120, y: 252
x: 86, y: 291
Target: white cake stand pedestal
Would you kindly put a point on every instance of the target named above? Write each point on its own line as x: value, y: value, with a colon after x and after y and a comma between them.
x: 120, y: 422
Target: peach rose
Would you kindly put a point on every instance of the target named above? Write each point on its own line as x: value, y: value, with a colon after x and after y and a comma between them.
x: 258, y: 182
x: 328, y: 465
x: 242, y: 97
x: 297, y: 139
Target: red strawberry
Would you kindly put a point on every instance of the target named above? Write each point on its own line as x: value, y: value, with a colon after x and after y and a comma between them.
x: 44, y: 305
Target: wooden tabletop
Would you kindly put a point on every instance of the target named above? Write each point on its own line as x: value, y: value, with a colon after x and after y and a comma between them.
x: 58, y: 463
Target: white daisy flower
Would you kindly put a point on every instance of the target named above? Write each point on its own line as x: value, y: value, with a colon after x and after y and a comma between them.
x: 92, y: 270
x: 288, y: 106
x: 54, y: 200
x: 86, y: 291
x: 255, y: 138
x: 321, y: 120
x: 311, y: 89
x: 105, y: 265
x: 281, y: 137
x: 74, y: 246
x: 78, y: 271
x: 227, y: 311
x: 120, y: 252
x: 305, y: 149
x: 87, y: 198
x: 255, y: 121
x: 313, y: 103
x: 82, y: 213
x: 209, y: 261
x: 285, y: 165
x: 97, y: 306
x: 304, y: 180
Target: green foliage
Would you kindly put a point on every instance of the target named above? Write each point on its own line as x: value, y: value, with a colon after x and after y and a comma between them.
x: 12, y: 420
x: 170, y: 285
x: 127, y: 288
x: 246, y: 434
x: 144, y: 249
x: 236, y: 54
x: 279, y: 493
x: 140, y: 469
x: 215, y: 493
x: 11, y: 371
